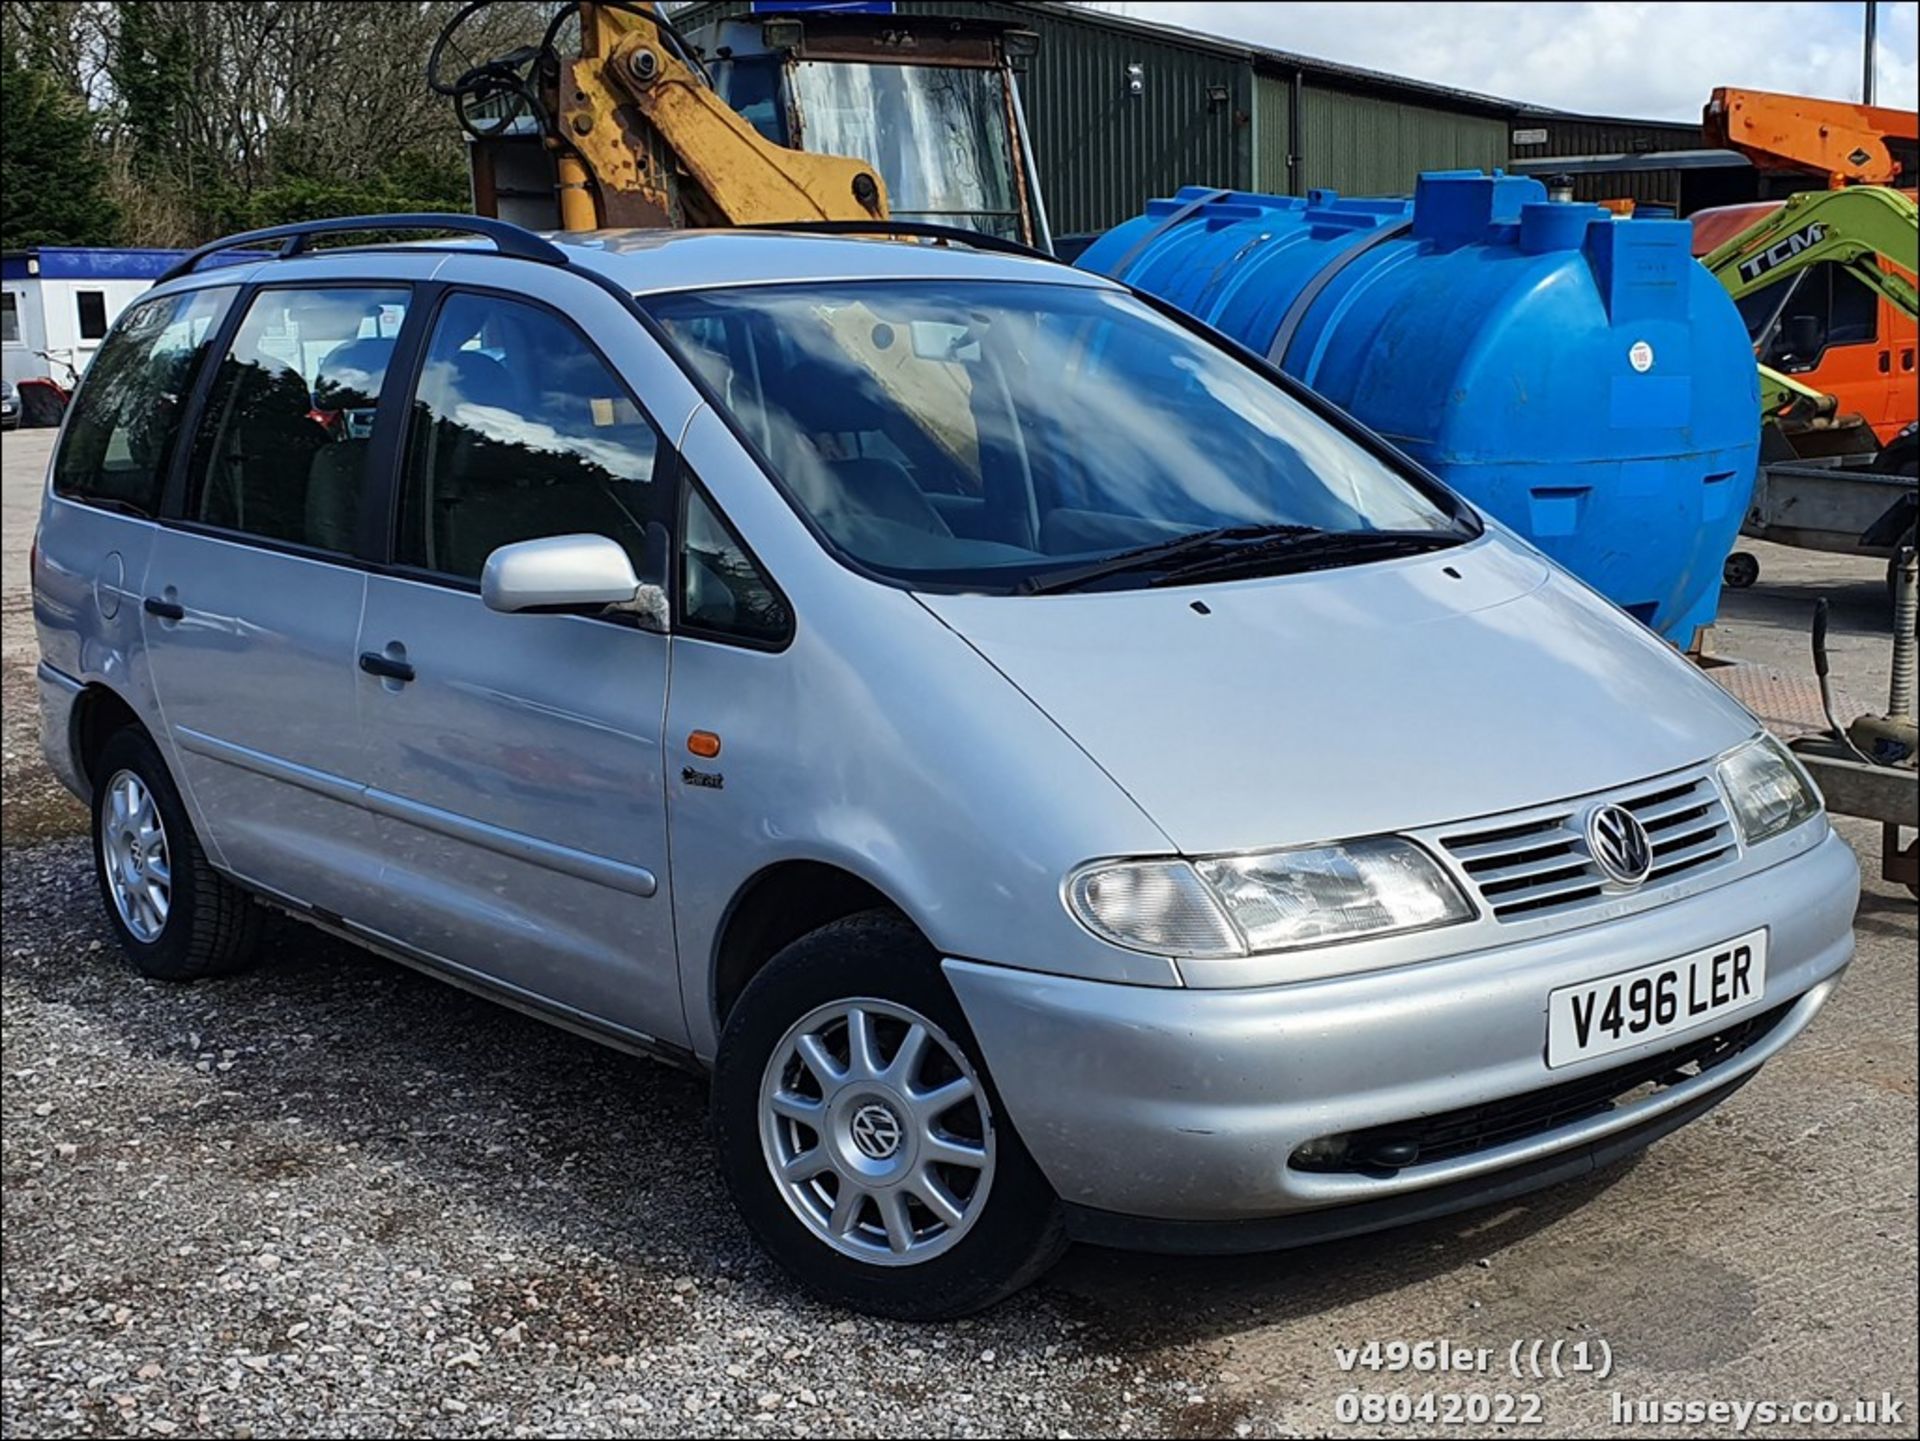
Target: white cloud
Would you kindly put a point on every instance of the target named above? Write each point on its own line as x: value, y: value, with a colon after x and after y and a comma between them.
x: 1657, y: 61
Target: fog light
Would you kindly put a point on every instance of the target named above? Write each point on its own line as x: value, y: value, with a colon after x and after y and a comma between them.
x: 1322, y: 1153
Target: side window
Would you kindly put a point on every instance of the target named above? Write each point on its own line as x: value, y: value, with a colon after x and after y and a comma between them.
x: 93, y: 313
x: 1827, y: 307
x: 121, y: 435
x: 1856, y: 310
x: 9, y: 318
x: 722, y: 589
x: 520, y: 430
x: 752, y: 87
x: 281, y: 451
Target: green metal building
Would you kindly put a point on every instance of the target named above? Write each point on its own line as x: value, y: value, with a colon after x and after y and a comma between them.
x: 1122, y: 111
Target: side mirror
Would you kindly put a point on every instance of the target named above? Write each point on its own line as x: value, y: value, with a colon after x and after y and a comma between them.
x: 570, y: 573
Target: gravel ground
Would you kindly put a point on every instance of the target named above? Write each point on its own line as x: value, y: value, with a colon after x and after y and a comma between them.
x: 334, y: 1197
x: 337, y: 1196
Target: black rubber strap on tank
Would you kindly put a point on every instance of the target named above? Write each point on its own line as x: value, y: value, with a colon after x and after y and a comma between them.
x: 1296, y: 314
x: 1179, y: 217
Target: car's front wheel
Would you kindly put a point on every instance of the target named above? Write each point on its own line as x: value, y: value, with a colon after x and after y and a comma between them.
x: 861, y: 1136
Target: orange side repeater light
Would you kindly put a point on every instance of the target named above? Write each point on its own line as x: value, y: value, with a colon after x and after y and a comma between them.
x: 704, y: 744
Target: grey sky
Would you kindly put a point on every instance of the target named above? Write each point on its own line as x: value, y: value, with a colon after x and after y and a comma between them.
x: 1630, y: 57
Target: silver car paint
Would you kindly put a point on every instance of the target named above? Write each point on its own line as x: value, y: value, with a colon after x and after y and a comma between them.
x: 1227, y: 1083
x: 1349, y: 702
x: 878, y: 741
x: 961, y: 754
x: 257, y: 685
x: 519, y: 778
x: 556, y: 572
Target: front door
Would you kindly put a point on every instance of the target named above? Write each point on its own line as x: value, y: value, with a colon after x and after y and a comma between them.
x: 253, y: 594
x: 516, y: 758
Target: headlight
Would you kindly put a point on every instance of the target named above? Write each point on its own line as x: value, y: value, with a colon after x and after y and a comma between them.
x: 1769, y: 791
x: 1270, y: 901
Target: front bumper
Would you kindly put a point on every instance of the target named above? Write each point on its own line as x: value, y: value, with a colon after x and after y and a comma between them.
x: 1184, y: 1106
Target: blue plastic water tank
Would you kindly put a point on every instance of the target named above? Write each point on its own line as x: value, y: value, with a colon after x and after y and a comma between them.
x: 1580, y: 377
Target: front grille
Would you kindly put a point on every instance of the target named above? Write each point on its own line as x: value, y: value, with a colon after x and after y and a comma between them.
x: 1540, y: 866
x: 1470, y: 1129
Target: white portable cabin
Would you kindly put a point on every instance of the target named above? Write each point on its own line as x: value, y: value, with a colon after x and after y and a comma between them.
x: 59, y: 302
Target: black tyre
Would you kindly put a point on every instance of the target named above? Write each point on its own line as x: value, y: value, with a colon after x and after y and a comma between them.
x: 1741, y: 570
x: 862, y: 1138
x: 1899, y: 456
x: 177, y: 918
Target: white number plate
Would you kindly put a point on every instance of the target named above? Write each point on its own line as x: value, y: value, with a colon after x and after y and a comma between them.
x: 1598, y: 1017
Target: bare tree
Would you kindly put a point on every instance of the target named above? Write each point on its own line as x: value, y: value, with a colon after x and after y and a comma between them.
x: 220, y: 113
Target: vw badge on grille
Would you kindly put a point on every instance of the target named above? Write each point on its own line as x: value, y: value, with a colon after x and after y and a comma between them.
x: 1619, y: 845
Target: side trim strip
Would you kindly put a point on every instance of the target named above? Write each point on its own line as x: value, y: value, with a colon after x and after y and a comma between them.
x: 584, y: 865
x: 53, y: 675
x: 636, y: 880
x: 334, y: 788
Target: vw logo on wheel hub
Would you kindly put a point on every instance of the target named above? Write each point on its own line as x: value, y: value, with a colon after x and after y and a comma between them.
x: 1619, y: 845
x: 876, y: 1131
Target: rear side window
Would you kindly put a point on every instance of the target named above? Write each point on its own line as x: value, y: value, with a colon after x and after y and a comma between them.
x: 520, y: 430
x: 281, y: 451
x: 127, y: 414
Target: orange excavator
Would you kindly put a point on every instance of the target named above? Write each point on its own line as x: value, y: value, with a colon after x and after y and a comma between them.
x: 1833, y: 332
x: 1799, y: 136
x: 1857, y: 379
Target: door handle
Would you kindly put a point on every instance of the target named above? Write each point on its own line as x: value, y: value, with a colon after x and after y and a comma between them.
x: 385, y: 666
x: 1886, y: 361
x: 1906, y: 359
x: 164, y: 608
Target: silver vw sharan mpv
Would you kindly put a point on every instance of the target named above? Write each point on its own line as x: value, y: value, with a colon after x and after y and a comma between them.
x: 1061, y: 778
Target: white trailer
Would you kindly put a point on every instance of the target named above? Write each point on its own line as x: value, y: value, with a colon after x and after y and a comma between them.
x: 59, y: 302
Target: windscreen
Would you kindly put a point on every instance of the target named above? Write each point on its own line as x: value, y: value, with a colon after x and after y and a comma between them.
x: 938, y: 134
x: 979, y: 433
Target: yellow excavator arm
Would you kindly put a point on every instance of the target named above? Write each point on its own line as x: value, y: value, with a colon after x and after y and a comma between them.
x: 643, y: 139
x: 636, y: 134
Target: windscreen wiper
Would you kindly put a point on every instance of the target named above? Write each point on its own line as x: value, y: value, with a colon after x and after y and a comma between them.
x: 1306, y: 547
x: 1159, y: 553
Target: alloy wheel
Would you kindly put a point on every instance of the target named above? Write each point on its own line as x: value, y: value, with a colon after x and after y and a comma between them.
x: 133, y: 852
x: 877, y: 1131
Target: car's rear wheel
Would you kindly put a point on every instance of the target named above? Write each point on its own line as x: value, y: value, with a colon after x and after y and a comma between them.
x: 177, y: 918
x: 861, y: 1137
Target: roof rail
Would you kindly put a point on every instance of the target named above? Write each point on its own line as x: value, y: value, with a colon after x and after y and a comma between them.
x: 508, y: 239
x: 954, y: 234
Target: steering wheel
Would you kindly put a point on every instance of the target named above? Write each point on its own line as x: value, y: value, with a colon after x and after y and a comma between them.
x: 488, y: 95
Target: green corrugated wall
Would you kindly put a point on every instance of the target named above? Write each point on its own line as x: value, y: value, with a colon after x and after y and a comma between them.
x: 1272, y: 134
x: 1103, y: 153
x: 1364, y: 145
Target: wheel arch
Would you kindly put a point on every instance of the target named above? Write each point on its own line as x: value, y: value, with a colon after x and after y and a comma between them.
x: 773, y: 908
x: 99, y: 711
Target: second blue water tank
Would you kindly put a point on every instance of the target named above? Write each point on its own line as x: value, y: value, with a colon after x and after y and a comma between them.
x: 1580, y: 377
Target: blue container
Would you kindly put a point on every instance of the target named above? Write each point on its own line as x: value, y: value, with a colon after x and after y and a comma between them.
x: 1580, y: 377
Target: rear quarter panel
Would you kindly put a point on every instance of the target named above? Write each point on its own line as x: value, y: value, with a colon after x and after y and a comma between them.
x: 87, y: 600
